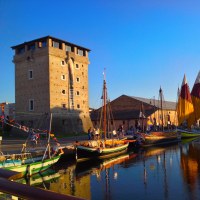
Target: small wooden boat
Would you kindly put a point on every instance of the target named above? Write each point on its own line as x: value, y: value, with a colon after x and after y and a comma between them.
x: 188, y: 133
x: 27, y: 164
x: 157, y: 138
x: 34, y: 167
x: 100, y: 149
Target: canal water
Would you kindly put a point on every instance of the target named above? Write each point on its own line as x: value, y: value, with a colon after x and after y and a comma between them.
x: 163, y: 172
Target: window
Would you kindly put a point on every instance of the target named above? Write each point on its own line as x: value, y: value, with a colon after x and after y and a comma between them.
x: 68, y: 48
x: 63, y: 92
x: 77, y: 79
x: 42, y: 44
x: 64, y: 106
x: 78, y: 105
x: 31, y: 105
x: 77, y: 66
x: 30, y: 74
x: 31, y: 46
x: 62, y: 62
x: 77, y: 93
x: 80, y: 52
x: 55, y: 44
x: 63, y: 77
x: 21, y: 50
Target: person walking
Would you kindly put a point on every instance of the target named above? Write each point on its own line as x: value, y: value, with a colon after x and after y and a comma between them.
x: 89, y: 133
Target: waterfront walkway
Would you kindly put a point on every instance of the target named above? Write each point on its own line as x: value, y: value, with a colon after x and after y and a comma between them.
x: 12, y: 145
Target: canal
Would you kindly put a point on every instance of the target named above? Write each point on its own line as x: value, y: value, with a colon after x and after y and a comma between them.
x: 163, y: 172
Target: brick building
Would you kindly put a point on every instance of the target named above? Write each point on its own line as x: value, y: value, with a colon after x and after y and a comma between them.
x: 51, y: 76
x: 126, y: 111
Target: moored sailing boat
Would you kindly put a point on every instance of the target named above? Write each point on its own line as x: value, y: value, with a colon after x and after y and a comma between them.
x: 28, y: 165
x: 186, y: 112
x: 161, y: 136
x: 101, y: 148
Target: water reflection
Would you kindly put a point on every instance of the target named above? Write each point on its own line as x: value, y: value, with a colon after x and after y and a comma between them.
x: 166, y: 172
x: 190, y: 166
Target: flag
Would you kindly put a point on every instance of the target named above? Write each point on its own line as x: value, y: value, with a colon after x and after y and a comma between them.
x: 195, y: 94
x: 185, y: 109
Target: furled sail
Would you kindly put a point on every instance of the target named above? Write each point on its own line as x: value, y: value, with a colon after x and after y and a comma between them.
x: 195, y: 94
x: 185, y: 108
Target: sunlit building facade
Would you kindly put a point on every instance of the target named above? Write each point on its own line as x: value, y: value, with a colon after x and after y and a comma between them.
x: 51, y: 76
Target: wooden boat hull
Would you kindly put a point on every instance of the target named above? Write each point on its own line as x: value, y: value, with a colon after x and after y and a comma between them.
x: 157, y: 138
x: 188, y: 134
x: 35, y: 167
x: 84, y: 153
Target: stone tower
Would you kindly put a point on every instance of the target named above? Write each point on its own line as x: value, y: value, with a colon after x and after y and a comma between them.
x: 51, y: 76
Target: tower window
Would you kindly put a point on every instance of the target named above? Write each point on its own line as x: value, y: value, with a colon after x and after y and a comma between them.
x: 55, y: 44
x: 77, y: 66
x: 63, y: 92
x: 77, y: 79
x: 78, y: 105
x: 64, y: 106
x: 30, y: 74
x: 80, y: 52
x: 21, y: 50
x: 68, y: 48
x: 62, y: 62
x: 77, y: 93
x: 42, y: 44
x: 31, y: 105
x: 31, y: 46
x: 63, y: 77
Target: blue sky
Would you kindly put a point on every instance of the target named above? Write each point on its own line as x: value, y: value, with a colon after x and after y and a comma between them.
x: 143, y: 44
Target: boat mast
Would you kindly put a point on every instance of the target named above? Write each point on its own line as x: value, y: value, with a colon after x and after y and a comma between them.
x: 104, y: 106
x: 161, y: 106
x: 48, y: 141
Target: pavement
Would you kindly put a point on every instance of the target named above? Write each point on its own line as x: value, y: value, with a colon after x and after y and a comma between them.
x: 9, y: 145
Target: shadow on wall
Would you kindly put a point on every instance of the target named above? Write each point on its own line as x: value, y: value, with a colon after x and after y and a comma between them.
x: 69, y: 121
x: 64, y: 121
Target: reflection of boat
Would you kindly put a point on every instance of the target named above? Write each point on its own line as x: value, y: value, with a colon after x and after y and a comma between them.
x: 117, y: 160
x: 185, y: 109
x: 102, y: 147
x: 40, y: 178
x: 91, y: 166
x: 188, y: 140
x: 190, y: 165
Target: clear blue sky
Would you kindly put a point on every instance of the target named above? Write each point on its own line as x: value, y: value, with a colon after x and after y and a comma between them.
x: 143, y: 44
